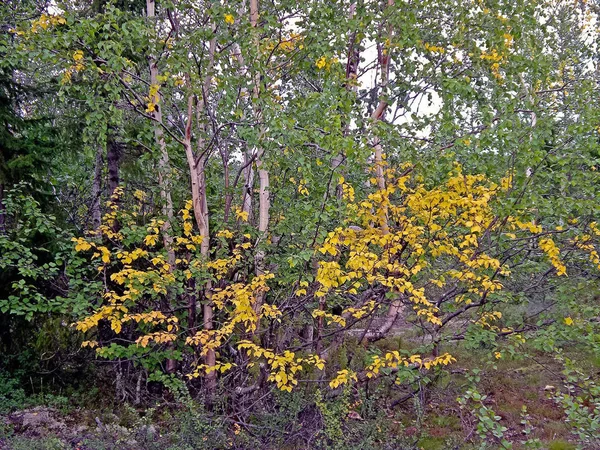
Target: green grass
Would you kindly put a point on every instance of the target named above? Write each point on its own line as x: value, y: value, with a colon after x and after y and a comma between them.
x: 561, y: 445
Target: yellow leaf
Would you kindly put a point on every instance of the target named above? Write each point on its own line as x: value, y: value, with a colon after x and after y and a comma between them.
x: 242, y: 215
x: 116, y: 326
x: 150, y: 240
x: 105, y: 254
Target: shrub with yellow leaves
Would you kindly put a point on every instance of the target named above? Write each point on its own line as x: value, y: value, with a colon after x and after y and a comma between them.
x: 433, y: 255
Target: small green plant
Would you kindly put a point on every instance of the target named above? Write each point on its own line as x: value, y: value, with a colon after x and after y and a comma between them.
x: 489, y: 428
x: 59, y: 402
x: 528, y: 428
x: 581, y: 403
x: 195, y: 429
x: 12, y: 396
x: 333, y: 414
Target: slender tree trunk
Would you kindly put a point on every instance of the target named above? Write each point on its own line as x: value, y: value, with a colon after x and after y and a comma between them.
x: 2, y: 210
x: 263, y: 178
x: 113, y: 158
x: 248, y: 185
x: 197, y: 165
x: 164, y: 165
x: 379, y: 113
x: 384, y: 53
x: 263, y: 225
x: 249, y: 153
x: 227, y: 187
x: 352, y: 62
x: 97, y: 188
x: 353, y: 56
x: 248, y: 172
x: 208, y: 324
x: 201, y: 214
x: 164, y: 174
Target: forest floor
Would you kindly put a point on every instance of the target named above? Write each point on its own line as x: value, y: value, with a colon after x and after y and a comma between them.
x: 440, y: 424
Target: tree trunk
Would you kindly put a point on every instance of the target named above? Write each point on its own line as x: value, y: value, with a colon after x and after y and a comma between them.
x: 95, y: 209
x: 2, y: 210
x: 164, y: 175
x: 113, y: 158
x: 352, y: 62
x: 263, y: 177
x: 248, y: 185
x: 227, y: 187
x: 164, y: 165
x: 379, y: 115
x: 197, y: 164
x: 248, y: 171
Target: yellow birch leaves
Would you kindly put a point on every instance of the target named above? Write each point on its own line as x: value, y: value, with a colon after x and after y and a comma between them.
x: 550, y: 249
x: 410, y: 241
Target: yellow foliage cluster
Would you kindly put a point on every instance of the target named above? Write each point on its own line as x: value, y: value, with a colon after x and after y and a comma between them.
x: 287, y: 44
x: 77, y: 66
x: 153, y: 98
x: 550, y: 248
x: 46, y: 21
x: 329, y: 317
x: 143, y: 272
x: 359, y: 313
x: 284, y: 366
x: 222, y: 266
x: 293, y: 41
x: 229, y: 19
x: 159, y: 337
x: 585, y: 243
x: 325, y: 63
x: 302, y: 189
x: 342, y: 377
x: 139, y: 274
x: 393, y: 360
x: 347, y: 190
x: 394, y: 234
x: 241, y: 215
x: 238, y: 302
x: 487, y: 318
x: 434, y: 48
x: 495, y: 57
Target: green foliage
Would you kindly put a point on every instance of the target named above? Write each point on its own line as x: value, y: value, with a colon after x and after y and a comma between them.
x: 581, y: 403
x: 333, y: 415
x: 489, y: 428
x: 196, y: 429
x: 35, y: 253
x: 12, y: 396
x: 528, y: 429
